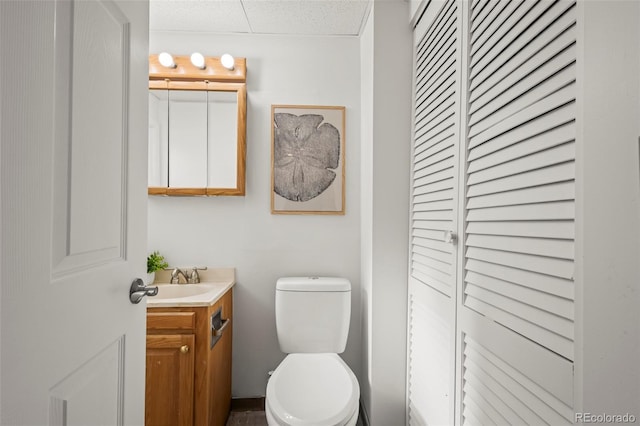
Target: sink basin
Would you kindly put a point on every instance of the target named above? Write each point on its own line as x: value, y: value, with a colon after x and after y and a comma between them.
x: 215, y: 282
x: 178, y: 291
x: 176, y: 295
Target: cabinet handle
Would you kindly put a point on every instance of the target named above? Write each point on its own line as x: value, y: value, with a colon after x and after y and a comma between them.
x: 184, y: 349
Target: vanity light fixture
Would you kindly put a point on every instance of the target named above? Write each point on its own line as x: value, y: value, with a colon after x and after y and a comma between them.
x: 166, y: 60
x: 183, y: 70
x: 198, y: 60
x: 227, y: 61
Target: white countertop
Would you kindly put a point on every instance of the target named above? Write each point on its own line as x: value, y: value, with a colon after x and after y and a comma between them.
x: 214, y: 284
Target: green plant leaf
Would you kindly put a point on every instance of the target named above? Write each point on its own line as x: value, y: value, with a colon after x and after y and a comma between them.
x: 156, y: 262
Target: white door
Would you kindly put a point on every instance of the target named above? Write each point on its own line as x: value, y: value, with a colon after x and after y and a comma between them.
x: 507, y: 302
x: 434, y: 216
x: 73, y: 87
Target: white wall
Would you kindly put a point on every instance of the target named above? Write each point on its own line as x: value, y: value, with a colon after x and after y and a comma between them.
x: 240, y: 231
x: 366, y: 205
x: 386, y: 141
x: 607, y: 370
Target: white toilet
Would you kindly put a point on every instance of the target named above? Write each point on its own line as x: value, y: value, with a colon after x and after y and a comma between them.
x: 312, y: 386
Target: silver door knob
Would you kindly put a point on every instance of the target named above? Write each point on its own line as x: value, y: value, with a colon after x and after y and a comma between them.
x: 450, y: 237
x: 138, y: 290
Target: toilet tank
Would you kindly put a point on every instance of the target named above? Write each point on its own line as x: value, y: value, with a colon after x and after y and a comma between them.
x: 313, y: 314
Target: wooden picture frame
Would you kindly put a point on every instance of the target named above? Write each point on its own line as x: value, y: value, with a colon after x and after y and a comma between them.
x: 307, y: 159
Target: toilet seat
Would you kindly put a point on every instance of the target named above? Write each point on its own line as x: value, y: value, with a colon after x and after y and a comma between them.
x: 312, y: 390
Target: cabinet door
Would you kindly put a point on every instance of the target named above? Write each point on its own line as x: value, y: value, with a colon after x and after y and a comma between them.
x: 170, y: 378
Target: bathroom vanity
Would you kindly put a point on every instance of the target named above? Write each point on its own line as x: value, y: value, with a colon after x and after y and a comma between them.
x: 189, y: 334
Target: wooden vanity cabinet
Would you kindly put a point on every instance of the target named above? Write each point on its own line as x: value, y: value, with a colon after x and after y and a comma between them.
x: 188, y: 382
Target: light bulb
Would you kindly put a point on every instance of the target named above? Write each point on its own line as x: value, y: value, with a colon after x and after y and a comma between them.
x: 198, y: 60
x: 166, y: 60
x: 227, y: 61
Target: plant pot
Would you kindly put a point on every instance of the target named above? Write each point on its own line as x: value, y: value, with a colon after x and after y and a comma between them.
x: 151, y: 277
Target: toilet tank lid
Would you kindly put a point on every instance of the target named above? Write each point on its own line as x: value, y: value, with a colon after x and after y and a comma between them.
x: 313, y: 284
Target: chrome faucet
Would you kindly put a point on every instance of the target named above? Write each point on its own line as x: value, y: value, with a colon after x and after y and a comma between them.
x: 175, y: 276
x: 195, y: 277
x: 192, y: 278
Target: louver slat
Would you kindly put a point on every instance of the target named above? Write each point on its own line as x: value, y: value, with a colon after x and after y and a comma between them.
x: 536, y: 22
x: 558, y: 117
x: 495, y: 388
x: 434, y: 147
x: 555, y: 38
x: 481, y: 12
x: 436, y: 106
x: 511, y: 103
x: 535, y: 178
x: 556, y: 248
x: 434, y: 38
x: 501, y: 17
x: 541, y: 229
x: 559, y: 287
x: 553, y: 137
x: 557, y: 192
x: 528, y: 112
x: 520, y: 193
x: 543, y: 265
x: 555, y: 56
x: 436, y: 186
x: 561, y: 307
x: 534, y: 161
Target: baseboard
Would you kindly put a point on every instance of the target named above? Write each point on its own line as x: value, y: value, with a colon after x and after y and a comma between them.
x: 247, y: 404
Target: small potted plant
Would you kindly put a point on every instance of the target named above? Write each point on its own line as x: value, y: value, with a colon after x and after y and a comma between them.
x: 155, y: 262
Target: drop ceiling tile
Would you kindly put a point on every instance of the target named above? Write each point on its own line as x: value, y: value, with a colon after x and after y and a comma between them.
x: 314, y: 17
x: 225, y: 16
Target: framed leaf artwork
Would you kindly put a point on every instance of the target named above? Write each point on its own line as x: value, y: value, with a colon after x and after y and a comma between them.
x: 307, y: 159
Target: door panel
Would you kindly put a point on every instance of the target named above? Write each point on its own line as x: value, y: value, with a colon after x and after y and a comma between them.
x: 432, y: 282
x: 73, y: 185
x: 518, y: 288
x: 91, y: 83
x: 72, y: 400
x: 522, y: 279
x: 431, y: 356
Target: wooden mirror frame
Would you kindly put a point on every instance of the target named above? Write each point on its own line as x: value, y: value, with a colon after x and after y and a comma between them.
x: 214, y: 77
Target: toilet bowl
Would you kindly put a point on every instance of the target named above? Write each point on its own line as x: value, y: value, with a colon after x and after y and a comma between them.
x: 312, y: 386
x: 312, y: 389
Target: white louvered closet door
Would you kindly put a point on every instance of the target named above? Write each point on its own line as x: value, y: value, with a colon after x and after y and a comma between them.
x: 517, y: 313
x: 507, y: 313
x: 432, y: 282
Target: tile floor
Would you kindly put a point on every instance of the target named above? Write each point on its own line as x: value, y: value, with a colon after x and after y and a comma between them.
x: 247, y: 418
x: 255, y: 418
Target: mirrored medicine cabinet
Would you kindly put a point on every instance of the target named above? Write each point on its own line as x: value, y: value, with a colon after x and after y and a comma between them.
x: 197, y: 128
